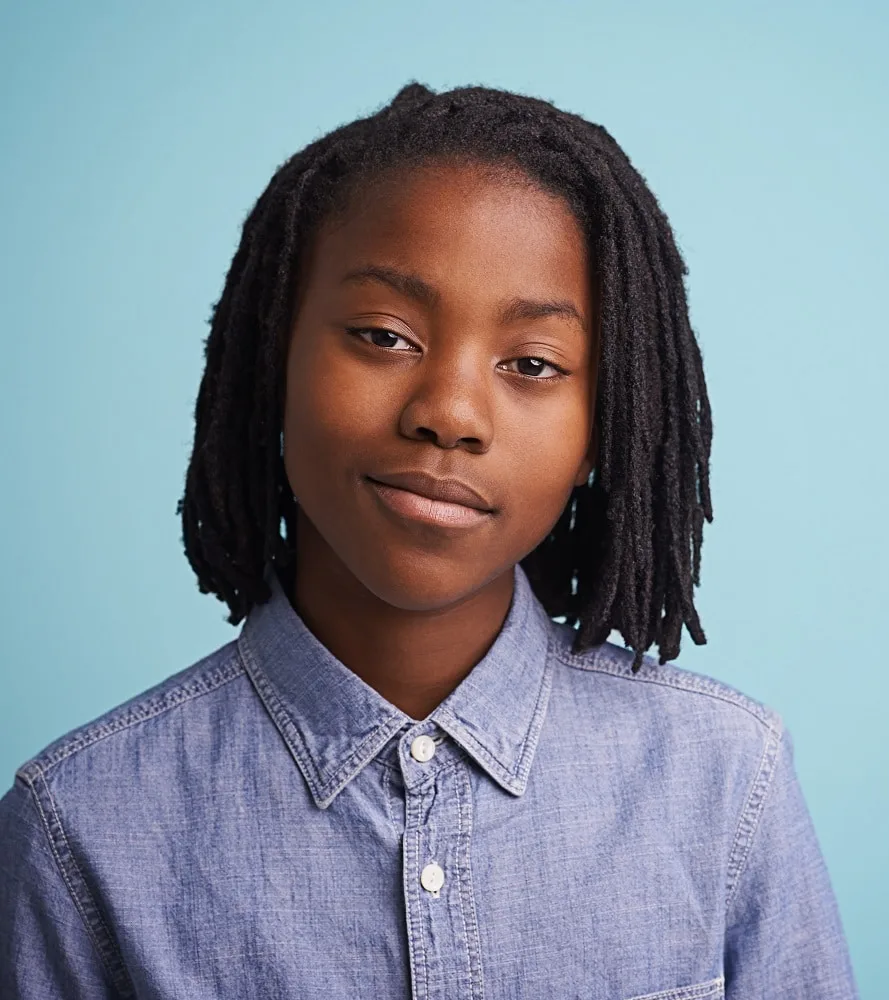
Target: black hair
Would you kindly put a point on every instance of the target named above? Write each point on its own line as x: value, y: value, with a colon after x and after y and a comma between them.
x: 625, y: 552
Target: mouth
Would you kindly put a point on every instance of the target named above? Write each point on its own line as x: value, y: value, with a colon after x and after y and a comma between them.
x: 423, y: 509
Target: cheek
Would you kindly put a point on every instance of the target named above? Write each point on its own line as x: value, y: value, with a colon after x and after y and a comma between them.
x: 551, y: 449
x: 328, y: 417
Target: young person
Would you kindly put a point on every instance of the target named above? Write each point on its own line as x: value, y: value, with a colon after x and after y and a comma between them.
x: 453, y: 430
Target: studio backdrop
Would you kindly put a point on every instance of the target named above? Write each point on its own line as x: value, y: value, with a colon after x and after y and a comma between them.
x: 134, y: 141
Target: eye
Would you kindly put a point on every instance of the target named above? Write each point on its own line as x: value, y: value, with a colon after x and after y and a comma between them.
x: 380, y: 333
x: 538, y: 365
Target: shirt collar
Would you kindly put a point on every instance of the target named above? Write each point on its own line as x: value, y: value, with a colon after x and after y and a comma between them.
x: 334, y: 723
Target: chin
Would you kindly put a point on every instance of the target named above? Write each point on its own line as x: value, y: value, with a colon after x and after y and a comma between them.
x: 421, y: 582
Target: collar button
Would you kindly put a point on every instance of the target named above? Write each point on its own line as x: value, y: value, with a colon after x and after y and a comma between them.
x: 423, y: 748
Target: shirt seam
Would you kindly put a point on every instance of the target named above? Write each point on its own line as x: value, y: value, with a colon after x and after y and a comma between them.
x: 688, y: 682
x: 514, y: 772
x: 532, y: 734
x: 518, y: 773
x: 771, y: 721
x: 702, y: 991
x: 461, y: 757
x: 96, y: 927
x: 140, y: 711
x: 323, y: 787
x: 751, y: 814
x: 464, y: 800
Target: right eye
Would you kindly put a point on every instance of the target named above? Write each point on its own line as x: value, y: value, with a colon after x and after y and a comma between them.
x: 380, y: 332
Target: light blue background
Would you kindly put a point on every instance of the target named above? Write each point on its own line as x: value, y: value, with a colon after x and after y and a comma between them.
x: 134, y: 142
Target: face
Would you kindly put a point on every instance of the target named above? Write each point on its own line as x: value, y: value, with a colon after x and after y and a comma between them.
x: 435, y: 332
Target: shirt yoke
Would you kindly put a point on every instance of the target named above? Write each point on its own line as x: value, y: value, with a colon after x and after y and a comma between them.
x: 224, y: 665
x: 200, y: 678
x: 616, y: 661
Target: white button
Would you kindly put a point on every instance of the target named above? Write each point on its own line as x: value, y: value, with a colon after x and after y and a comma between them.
x: 423, y: 748
x: 432, y: 877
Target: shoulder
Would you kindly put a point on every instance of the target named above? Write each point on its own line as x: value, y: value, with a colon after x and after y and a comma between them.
x: 194, y: 690
x: 674, y: 736
x: 667, y: 682
x: 672, y: 712
x: 80, y: 813
x: 609, y: 665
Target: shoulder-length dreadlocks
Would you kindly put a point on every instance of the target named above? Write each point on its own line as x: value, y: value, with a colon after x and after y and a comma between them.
x: 625, y: 552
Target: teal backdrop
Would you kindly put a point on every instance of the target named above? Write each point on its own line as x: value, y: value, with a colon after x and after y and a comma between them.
x: 135, y: 139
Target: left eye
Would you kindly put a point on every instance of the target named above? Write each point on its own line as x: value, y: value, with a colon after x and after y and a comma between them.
x: 544, y: 364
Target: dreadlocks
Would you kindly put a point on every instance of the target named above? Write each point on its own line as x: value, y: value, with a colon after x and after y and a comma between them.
x: 625, y: 553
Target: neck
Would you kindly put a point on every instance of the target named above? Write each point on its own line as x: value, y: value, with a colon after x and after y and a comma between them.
x: 414, y: 659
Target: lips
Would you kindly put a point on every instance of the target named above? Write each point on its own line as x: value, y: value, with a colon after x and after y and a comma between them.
x: 427, y: 485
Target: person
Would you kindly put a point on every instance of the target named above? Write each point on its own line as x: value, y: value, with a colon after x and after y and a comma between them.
x: 453, y: 431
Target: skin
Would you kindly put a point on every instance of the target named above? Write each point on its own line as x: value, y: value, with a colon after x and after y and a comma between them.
x: 408, y: 607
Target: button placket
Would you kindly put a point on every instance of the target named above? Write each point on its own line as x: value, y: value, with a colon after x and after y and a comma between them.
x: 441, y: 921
x: 422, y: 750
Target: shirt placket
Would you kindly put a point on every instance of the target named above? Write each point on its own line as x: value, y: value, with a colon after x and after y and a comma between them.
x: 442, y: 928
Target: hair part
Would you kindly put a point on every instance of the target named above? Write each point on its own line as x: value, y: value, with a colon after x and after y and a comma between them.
x: 625, y: 552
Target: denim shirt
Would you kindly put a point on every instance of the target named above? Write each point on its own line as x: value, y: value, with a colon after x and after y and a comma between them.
x: 264, y: 824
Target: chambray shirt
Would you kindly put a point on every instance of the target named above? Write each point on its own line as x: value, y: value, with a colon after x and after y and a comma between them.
x: 264, y: 824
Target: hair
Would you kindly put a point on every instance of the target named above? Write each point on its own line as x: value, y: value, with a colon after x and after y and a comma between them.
x: 625, y: 552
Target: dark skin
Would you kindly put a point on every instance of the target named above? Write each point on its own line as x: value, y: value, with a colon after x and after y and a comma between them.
x: 408, y: 607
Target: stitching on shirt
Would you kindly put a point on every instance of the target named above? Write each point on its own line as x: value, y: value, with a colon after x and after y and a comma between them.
x: 702, y: 991
x: 483, y: 752
x: 461, y: 757
x: 459, y: 870
x: 602, y: 660
x: 386, y: 764
x: 90, y: 914
x: 464, y: 800
x: 318, y: 783
x: 493, y: 762
x: 751, y: 814
x: 546, y: 683
x: 292, y: 736
x: 140, y: 711
x: 388, y: 795
x: 409, y: 890
x: 344, y: 772
x: 387, y: 781
x: 665, y: 675
x: 422, y: 935
x: 514, y: 779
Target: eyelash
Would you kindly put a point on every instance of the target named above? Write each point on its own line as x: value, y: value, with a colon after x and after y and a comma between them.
x: 355, y: 331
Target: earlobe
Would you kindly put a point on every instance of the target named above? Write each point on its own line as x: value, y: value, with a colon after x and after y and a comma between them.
x: 589, y: 462
x: 583, y: 475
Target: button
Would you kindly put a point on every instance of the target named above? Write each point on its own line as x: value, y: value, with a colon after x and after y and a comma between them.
x: 432, y: 877
x: 423, y: 748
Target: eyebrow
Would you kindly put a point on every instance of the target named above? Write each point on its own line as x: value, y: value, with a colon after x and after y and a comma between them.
x: 414, y: 287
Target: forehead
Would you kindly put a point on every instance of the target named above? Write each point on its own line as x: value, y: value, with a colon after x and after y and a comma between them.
x: 464, y: 226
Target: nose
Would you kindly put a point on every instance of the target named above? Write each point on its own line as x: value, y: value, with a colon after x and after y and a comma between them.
x: 449, y: 402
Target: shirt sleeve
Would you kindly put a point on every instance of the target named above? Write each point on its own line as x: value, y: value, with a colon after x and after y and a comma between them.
x: 46, y: 952
x: 784, y: 937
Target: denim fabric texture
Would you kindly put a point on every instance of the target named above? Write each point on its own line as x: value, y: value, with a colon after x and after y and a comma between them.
x: 257, y: 826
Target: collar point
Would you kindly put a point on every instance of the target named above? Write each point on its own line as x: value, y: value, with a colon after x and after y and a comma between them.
x: 515, y: 786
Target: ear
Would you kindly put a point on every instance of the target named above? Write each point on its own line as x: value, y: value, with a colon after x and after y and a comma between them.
x: 590, y: 459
